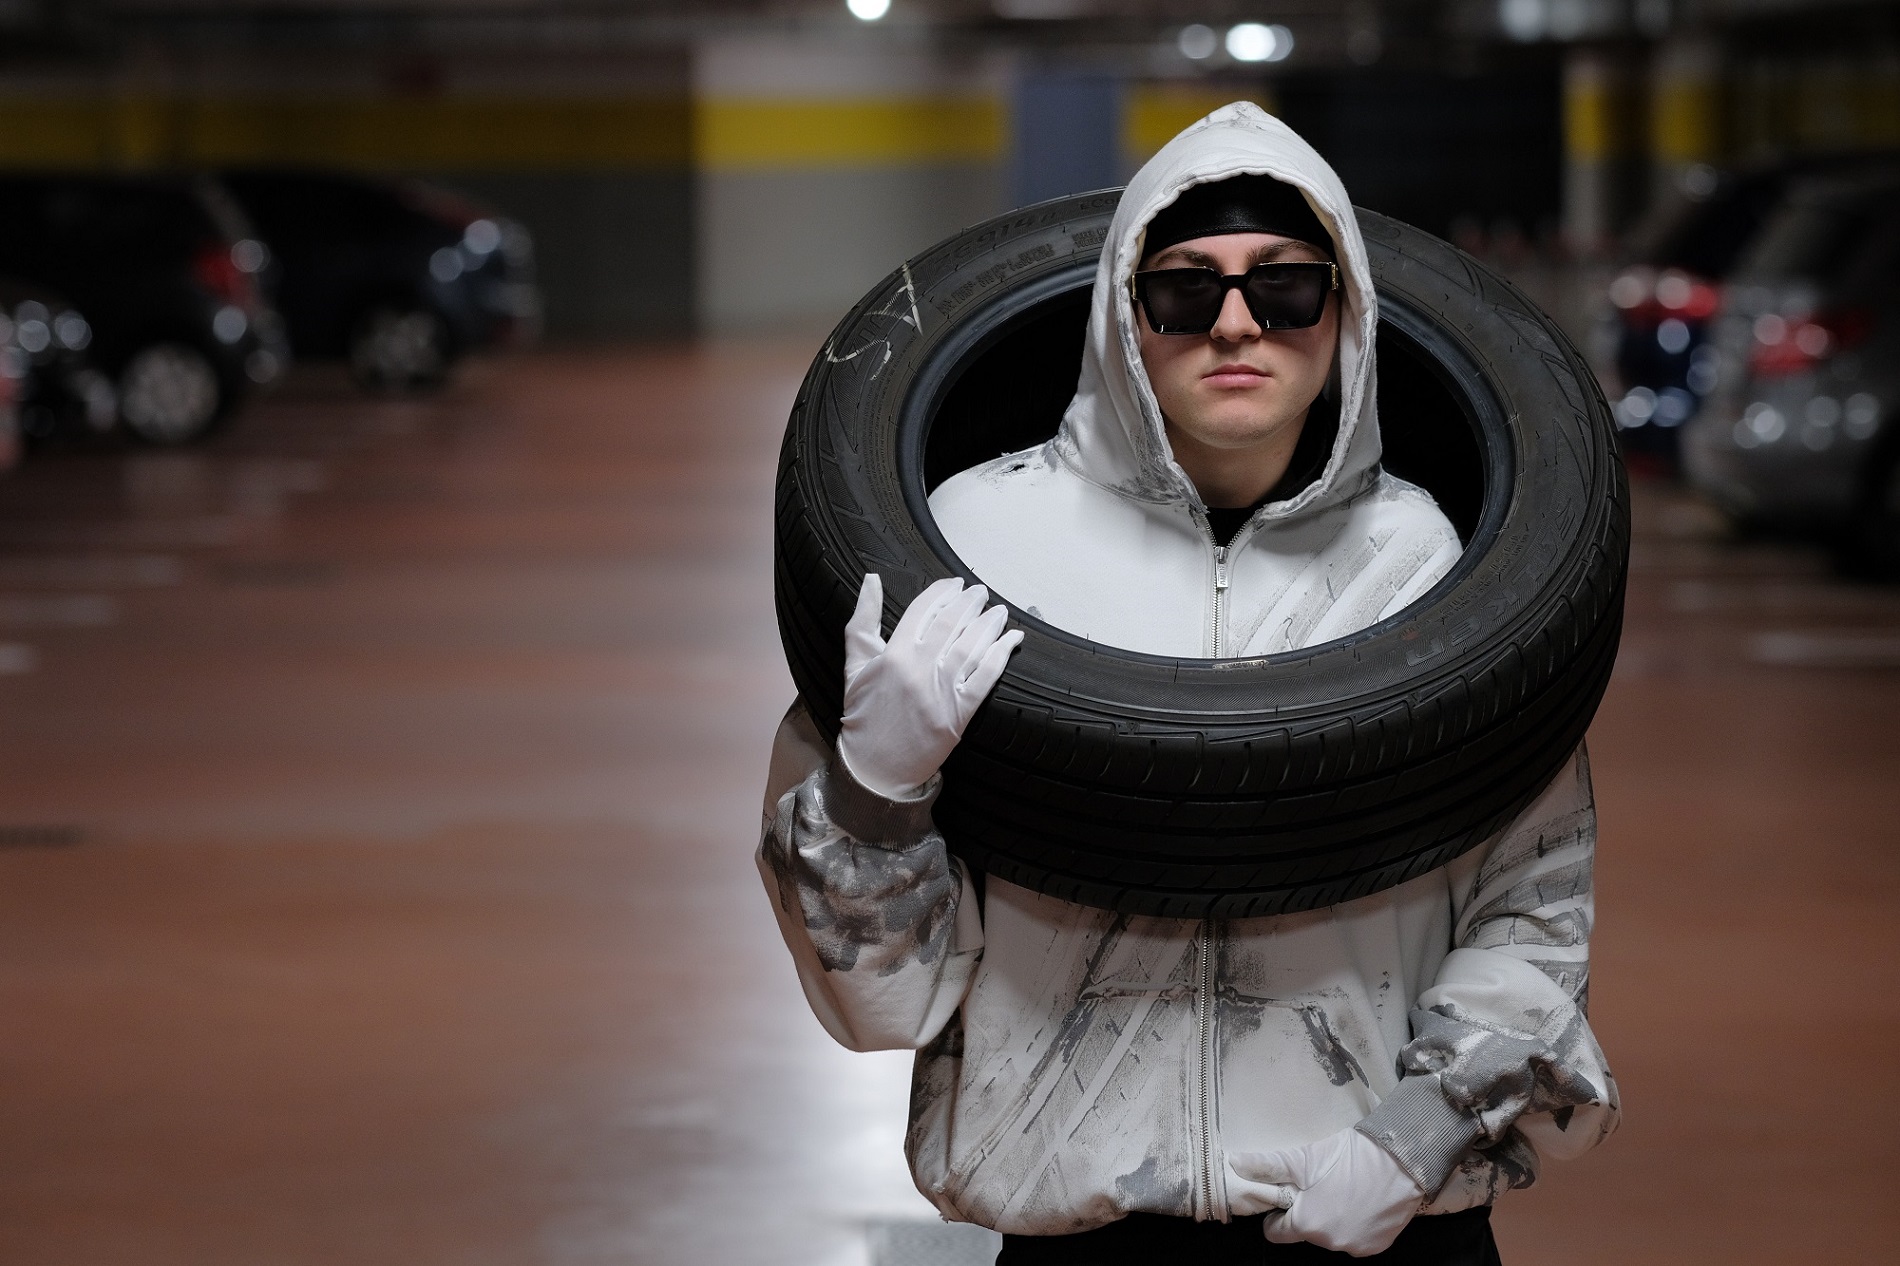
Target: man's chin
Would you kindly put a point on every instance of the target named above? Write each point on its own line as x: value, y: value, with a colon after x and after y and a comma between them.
x: 1227, y: 429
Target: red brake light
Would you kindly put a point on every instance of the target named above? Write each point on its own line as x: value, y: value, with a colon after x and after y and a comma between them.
x: 218, y: 272
x: 1785, y: 347
x: 1702, y: 302
x: 1650, y: 298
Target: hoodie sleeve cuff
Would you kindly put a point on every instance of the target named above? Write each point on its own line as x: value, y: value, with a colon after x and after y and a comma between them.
x: 873, y: 819
x: 1421, y: 1131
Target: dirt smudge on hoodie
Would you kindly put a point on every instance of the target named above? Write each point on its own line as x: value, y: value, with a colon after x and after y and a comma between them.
x: 1334, y: 1059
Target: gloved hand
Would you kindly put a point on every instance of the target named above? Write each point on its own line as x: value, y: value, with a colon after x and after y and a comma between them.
x: 907, y: 701
x: 1349, y: 1195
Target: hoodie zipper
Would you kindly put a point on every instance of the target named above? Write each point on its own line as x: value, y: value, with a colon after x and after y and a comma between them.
x: 1220, y: 578
x: 1204, y: 994
x: 1204, y: 1023
x: 1220, y: 595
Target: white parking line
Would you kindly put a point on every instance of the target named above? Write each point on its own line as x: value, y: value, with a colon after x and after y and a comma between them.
x: 57, y: 611
x: 1826, y: 649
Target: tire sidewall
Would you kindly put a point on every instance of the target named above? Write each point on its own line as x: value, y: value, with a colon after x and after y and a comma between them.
x: 1521, y: 620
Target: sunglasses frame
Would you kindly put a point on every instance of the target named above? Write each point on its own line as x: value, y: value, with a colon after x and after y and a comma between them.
x: 1137, y: 287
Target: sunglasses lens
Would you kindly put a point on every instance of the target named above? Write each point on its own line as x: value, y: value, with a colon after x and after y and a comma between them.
x: 1185, y: 299
x: 1288, y: 296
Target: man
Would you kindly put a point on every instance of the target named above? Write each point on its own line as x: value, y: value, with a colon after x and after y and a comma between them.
x: 1107, y: 1088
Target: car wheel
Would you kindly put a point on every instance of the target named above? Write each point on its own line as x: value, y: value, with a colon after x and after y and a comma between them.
x: 397, y: 348
x: 170, y: 393
x: 1224, y: 788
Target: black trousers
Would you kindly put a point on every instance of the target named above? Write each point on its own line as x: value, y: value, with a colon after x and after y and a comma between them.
x: 1149, y: 1239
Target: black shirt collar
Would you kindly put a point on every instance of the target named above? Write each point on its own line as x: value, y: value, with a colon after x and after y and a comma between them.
x: 1310, y: 454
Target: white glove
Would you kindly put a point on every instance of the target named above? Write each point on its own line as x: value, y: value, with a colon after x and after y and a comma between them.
x: 907, y: 701
x: 1349, y: 1195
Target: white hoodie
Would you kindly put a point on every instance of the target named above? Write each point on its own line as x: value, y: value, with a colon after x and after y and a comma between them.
x: 1099, y: 532
x: 1075, y: 1064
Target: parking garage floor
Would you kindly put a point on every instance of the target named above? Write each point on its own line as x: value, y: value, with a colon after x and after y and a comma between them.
x: 375, y: 859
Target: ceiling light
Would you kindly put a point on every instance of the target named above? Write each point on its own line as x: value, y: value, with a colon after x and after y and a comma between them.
x: 1249, y: 42
x: 1197, y: 41
x: 1257, y: 42
x: 1524, y: 20
x: 868, y: 10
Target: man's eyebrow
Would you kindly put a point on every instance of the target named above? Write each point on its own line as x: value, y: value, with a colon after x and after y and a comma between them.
x: 1202, y: 259
x: 1278, y: 249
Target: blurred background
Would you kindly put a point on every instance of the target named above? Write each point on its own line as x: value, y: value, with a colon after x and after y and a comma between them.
x: 389, y: 402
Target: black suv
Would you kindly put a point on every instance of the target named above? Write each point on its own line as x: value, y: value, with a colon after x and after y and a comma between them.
x: 166, y: 271
x: 396, y: 276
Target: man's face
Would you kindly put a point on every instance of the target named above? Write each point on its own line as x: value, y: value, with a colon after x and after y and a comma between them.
x: 1237, y: 386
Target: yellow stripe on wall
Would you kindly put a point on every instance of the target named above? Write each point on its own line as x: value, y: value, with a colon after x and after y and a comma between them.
x: 448, y: 133
x: 1153, y: 113
x: 1589, y: 125
x: 1684, y: 127
x: 56, y: 132
x: 750, y: 135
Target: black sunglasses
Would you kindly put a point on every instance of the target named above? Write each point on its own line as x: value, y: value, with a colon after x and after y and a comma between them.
x: 1282, y: 296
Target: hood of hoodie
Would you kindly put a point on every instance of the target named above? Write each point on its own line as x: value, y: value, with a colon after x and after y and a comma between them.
x: 1112, y: 433
x: 1100, y: 533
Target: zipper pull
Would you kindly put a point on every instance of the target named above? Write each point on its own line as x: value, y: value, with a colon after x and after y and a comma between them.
x: 1220, y: 568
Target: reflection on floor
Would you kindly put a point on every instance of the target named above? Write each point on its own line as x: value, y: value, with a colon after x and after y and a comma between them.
x: 375, y: 877
x: 917, y: 1242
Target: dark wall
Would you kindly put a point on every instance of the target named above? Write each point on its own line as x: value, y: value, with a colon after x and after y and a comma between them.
x: 613, y: 250
x: 1431, y: 147
x: 1066, y: 135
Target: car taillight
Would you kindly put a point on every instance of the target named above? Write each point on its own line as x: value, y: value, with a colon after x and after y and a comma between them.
x: 217, y: 270
x: 447, y: 209
x: 1785, y: 346
x: 1647, y: 298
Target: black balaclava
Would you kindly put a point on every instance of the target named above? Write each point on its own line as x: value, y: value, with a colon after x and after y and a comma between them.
x: 1238, y: 204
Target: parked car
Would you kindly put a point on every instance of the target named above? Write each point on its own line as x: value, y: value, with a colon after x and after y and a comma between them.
x: 1799, y: 429
x: 1661, y: 306
x: 399, y: 278
x: 166, y: 271
x: 53, y: 387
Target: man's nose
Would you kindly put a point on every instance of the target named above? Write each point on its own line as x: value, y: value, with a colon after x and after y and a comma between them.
x: 1236, y: 323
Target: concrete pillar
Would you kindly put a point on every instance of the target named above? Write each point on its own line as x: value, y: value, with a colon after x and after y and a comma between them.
x: 1589, y: 132
x: 823, y: 162
x: 1685, y: 112
x: 1600, y: 96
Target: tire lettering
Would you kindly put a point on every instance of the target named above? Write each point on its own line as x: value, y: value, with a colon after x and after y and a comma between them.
x: 997, y: 272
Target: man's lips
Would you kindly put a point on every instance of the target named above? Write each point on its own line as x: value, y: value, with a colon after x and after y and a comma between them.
x: 1235, y: 375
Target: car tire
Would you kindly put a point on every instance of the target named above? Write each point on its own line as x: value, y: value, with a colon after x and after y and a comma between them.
x: 400, y: 347
x: 1230, y: 788
x: 170, y: 393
